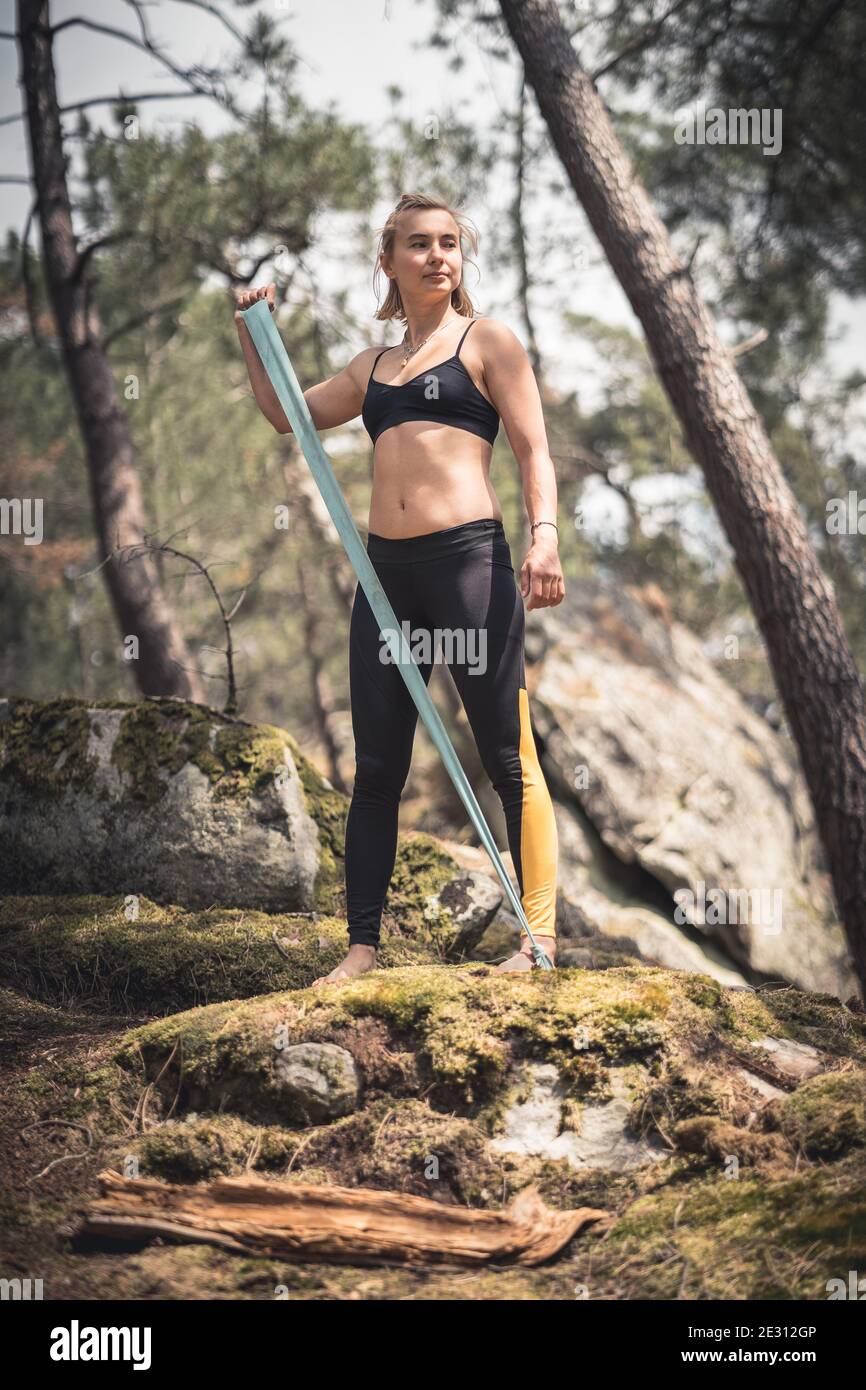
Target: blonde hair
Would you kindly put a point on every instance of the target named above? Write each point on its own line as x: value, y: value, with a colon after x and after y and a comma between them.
x: 393, y: 305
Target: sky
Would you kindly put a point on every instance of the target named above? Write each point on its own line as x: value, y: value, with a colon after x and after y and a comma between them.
x: 349, y: 51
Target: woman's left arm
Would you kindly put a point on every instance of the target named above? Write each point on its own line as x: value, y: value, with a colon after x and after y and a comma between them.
x: 511, y: 385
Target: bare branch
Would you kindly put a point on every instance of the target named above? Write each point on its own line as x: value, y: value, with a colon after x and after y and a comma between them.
x: 145, y: 44
x: 128, y: 553
x: 756, y: 339
x: 217, y: 14
x: 111, y: 239
x: 117, y: 100
x: 596, y: 464
x: 138, y: 319
x: 638, y: 41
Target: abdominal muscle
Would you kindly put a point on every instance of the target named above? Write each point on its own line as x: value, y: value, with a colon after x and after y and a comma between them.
x: 427, y: 477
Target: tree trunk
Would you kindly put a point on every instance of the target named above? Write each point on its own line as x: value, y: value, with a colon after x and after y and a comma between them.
x: 321, y: 692
x: 525, y: 537
x: 794, y: 603
x: 163, y: 666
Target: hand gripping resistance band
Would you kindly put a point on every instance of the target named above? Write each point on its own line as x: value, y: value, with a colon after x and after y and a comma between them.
x: 276, y: 363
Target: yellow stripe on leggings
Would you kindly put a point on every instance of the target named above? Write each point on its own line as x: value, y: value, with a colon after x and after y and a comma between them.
x: 538, y: 838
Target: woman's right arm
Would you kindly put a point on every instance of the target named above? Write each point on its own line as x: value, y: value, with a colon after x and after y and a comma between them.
x: 330, y: 403
x: 266, y: 396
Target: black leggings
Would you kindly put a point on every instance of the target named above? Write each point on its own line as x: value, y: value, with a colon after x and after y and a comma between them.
x: 459, y: 581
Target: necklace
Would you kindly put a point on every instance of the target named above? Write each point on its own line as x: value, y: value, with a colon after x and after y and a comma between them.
x: 412, y: 350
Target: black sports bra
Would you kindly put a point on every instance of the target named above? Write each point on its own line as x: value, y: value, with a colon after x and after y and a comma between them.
x: 444, y: 392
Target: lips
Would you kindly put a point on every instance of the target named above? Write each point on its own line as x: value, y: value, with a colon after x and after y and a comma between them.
x: 438, y: 275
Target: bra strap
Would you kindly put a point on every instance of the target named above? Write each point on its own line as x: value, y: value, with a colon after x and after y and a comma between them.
x: 460, y: 344
x: 373, y: 368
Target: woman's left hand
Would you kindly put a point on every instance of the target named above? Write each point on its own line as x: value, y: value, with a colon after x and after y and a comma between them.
x: 541, y: 575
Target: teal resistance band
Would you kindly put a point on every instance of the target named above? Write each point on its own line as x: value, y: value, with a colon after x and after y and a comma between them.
x: 276, y: 363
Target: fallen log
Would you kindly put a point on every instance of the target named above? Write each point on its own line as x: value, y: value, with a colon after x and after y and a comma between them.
x: 318, y: 1222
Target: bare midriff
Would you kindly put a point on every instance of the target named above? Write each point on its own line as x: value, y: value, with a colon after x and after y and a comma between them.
x: 428, y: 476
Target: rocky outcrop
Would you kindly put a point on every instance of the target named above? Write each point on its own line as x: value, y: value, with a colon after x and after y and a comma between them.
x: 594, y: 1067
x: 697, y: 1116
x: 671, y: 787
x: 705, y: 1121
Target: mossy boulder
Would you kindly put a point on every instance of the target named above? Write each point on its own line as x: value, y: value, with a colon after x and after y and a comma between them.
x: 171, y: 801
x: 464, y: 1036
x: 163, y: 798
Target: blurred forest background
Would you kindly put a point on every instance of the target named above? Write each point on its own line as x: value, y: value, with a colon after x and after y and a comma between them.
x: 257, y: 169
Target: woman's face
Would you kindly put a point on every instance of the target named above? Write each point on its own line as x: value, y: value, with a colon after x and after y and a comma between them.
x: 426, y: 258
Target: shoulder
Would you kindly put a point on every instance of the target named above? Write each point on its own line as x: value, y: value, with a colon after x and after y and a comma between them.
x: 496, y: 347
x: 494, y: 335
x: 361, y: 365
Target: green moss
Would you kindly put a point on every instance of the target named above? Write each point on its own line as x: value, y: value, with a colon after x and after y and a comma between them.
x: 43, y: 746
x: 463, y: 1029
x: 25, y: 1019
x: 826, y: 1115
x: 752, y: 1237
x: 406, y: 1146
x: 463, y: 1024
x: 157, y: 739
x: 703, y: 990
x: 437, y: 1048
x: 680, y: 1093
x: 802, y: 1015
x: 636, y: 1024
x: 421, y: 871
x: 129, y: 954
x: 82, y: 1087
x: 207, y: 1146
x: 709, y: 1135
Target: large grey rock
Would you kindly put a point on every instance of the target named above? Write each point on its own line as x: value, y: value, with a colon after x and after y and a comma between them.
x: 162, y: 798
x: 680, y: 778
x: 595, y: 929
x: 590, y: 911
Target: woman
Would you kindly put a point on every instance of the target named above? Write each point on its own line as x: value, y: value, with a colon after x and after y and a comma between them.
x: 432, y: 407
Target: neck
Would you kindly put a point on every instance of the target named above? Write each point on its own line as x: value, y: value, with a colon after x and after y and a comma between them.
x: 422, y: 319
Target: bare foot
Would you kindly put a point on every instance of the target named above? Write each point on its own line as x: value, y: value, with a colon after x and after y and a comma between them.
x: 524, y: 959
x: 358, y: 959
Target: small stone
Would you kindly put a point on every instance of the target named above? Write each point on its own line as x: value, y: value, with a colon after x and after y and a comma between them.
x: 319, y: 1082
